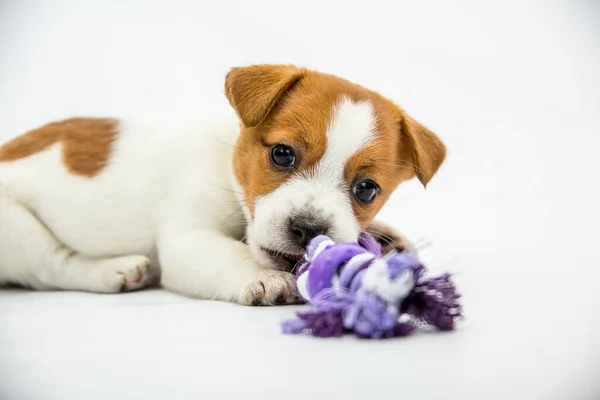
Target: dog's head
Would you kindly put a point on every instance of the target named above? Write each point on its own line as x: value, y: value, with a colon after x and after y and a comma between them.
x: 318, y: 154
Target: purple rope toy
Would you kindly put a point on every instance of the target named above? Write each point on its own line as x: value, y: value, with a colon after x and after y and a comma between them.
x: 352, y: 287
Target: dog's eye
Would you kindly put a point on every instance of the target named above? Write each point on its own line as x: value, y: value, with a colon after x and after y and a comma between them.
x: 283, y: 156
x: 365, y: 191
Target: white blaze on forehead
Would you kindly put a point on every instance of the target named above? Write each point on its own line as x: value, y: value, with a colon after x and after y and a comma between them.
x: 352, y: 126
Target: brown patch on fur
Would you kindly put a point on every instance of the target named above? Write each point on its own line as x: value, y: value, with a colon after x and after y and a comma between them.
x: 85, y: 142
x: 293, y: 106
x: 403, y: 149
x: 272, y: 81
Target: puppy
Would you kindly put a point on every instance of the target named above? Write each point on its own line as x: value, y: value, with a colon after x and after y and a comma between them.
x: 216, y: 208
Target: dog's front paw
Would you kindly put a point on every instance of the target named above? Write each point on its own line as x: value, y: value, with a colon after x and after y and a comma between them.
x: 389, y: 238
x: 271, y: 288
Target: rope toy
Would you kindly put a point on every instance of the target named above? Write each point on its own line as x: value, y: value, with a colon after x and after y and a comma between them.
x: 352, y: 287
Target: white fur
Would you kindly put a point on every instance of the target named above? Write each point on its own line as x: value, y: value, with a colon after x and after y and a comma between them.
x: 322, y: 191
x: 166, y: 196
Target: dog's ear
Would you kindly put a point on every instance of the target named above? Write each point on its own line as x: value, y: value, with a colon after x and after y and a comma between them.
x: 426, y: 149
x: 253, y: 91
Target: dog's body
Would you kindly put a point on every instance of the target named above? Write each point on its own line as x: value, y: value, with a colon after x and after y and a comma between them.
x: 156, y: 167
x: 104, y: 205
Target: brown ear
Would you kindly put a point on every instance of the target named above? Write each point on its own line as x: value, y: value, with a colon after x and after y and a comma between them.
x: 428, y: 150
x: 253, y: 91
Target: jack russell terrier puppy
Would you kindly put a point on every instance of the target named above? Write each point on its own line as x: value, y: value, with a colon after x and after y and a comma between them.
x: 219, y: 208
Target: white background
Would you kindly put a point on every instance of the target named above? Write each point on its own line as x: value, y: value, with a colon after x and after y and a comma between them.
x: 511, y: 87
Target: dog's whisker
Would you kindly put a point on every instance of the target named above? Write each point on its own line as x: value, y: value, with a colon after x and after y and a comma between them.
x: 378, y: 235
x: 226, y: 213
x: 295, y: 266
x: 232, y: 145
x: 235, y: 223
x: 239, y: 209
x: 230, y: 190
x: 226, y: 189
x: 240, y: 137
x: 386, y: 241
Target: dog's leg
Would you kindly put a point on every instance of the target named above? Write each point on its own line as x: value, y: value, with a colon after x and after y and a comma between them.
x: 389, y: 238
x: 31, y: 256
x: 208, y: 265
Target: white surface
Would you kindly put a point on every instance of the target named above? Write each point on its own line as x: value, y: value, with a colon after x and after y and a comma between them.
x: 511, y: 88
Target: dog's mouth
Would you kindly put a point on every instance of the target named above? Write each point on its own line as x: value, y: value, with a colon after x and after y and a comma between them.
x: 283, y: 260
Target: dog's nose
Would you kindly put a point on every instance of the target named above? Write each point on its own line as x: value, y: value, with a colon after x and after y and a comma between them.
x: 305, y: 229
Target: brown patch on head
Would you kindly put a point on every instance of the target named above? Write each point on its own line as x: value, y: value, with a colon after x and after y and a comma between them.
x: 282, y: 104
x: 402, y: 149
x: 85, y: 142
x: 254, y: 91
